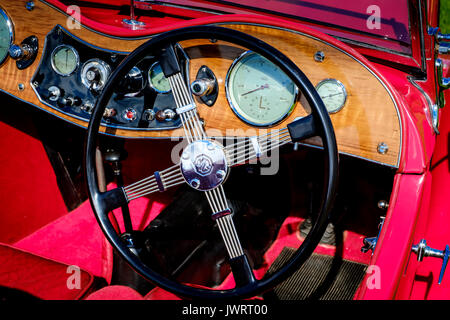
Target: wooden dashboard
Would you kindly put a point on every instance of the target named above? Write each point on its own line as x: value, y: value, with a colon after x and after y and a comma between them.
x: 369, y: 117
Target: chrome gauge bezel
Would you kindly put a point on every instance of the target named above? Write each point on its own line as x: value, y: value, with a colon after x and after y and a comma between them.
x: 234, y: 106
x: 10, y: 27
x: 52, y: 59
x: 102, y: 67
x: 341, y: 85
x: 150, y: 80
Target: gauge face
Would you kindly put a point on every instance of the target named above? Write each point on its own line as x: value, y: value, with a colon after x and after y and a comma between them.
x: 157, y: 79
x: 65, y: 60
x: 6, y: 35
x: 258, y: 91
x: 333, y: 94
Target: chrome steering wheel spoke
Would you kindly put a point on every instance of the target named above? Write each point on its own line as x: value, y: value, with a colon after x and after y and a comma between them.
x: 240, y: 267
x: 256, y: 146
x: 159, y: 181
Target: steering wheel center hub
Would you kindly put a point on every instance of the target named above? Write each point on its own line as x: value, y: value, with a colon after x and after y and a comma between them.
x: 204, y: 165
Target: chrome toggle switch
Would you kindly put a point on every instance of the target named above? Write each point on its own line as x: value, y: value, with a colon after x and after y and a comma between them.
x: 422, y: 250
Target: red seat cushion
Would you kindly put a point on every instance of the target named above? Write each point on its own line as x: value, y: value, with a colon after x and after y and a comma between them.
x: 115, y: 293
x: 40, y: 277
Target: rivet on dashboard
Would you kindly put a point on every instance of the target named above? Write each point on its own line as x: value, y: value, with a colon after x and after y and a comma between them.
x: 21, y: 87
x: 382, y: 148
x: 319, y: 56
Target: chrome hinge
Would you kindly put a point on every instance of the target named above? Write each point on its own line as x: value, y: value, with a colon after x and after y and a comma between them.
x: 442, y: 82
x: 371, y: 243
x: 422, y: 250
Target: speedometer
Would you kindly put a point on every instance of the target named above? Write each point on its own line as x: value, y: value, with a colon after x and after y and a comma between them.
x: 6, y: 35
x: 258, y: 91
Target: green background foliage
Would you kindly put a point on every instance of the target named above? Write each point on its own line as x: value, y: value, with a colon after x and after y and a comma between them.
x: 445, y: 16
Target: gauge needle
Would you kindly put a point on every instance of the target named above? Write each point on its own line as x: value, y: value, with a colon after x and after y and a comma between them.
x: 264, y: 86
x: 331, y: 95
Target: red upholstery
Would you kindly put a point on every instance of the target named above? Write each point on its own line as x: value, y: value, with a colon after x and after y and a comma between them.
x: 115, y: 293
x: 42, y: 278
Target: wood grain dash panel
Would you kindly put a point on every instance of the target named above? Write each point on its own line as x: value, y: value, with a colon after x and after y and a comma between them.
x: 368, y: 118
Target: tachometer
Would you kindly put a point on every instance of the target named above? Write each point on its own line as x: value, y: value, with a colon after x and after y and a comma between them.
x: 333, y: 94
x: 65, y: 60
x: 258, y: 91
x: 6, y: 35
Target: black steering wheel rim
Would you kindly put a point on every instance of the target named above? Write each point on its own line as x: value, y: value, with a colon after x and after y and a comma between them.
x: 309, y: 96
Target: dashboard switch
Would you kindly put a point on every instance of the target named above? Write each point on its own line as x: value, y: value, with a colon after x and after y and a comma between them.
x: 69, y: 101
x: 129, y: 114
x: 165, y: 115
x: 53, y: 93
x: 109, y: 113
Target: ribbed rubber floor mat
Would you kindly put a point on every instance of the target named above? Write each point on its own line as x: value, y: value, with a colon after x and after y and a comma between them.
x: 321, y: 277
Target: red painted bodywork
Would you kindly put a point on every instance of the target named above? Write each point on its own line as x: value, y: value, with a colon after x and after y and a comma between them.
x: 419, y: 206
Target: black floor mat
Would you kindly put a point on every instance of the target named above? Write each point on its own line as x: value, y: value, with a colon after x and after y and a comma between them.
x: 320, y: 278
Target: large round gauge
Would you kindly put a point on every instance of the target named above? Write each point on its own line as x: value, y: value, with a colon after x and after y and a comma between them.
x: 6, y: 35
x: 258, y: 91
x: 65, y: 60
x: 333, y: 94
x: 157, y: 79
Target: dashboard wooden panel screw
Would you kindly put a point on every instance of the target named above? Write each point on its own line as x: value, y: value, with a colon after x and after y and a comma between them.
x: 21, y: 86
x: 319, y: 56
x: 382, y: 148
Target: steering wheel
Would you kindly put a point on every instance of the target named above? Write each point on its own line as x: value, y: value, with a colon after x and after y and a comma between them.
x: 205, y: 164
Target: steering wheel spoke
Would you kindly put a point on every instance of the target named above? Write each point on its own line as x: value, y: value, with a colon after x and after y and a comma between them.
x: 240, y: 267
x: 159, y: 181
x: 256, y: 146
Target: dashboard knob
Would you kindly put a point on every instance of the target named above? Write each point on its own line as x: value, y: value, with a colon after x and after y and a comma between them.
x: 201, y: 87
x: 93, y: 75
x: 165, y: 115
x: 53, y: 93
x: 109, y: 113
x: 69, y: 101
x: 21, y: 52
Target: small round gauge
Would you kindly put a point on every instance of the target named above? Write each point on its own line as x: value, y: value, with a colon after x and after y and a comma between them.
x: 6, y: 35
x: 65, y: 60
x: 258, y: 91
x: 157, y: 79
x: 333, y: 94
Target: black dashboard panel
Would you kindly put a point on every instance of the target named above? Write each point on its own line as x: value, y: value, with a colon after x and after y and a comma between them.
x: 135, y: 104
